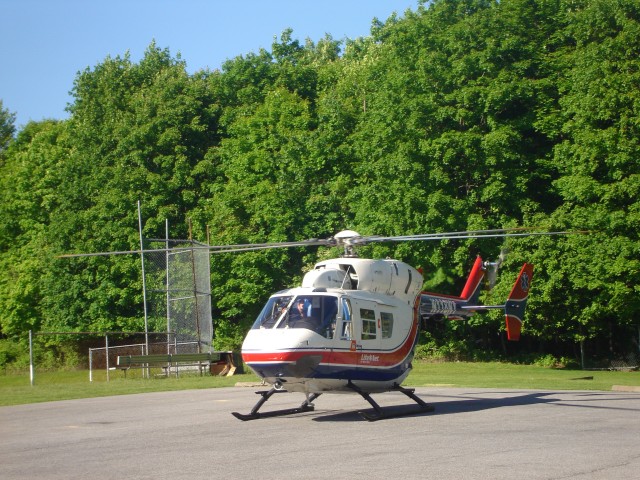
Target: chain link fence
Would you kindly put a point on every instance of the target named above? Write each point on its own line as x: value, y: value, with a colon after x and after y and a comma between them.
x: 178, y: 290
x: 177, y: 293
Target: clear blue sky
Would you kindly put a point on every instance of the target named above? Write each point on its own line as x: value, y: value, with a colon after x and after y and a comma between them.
x: 44, y: 43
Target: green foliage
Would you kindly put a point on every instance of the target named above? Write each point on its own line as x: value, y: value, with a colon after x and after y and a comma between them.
x: 450, y: 351
x: 13, y: 355
x: 459, y: 115
x: 7, y: 127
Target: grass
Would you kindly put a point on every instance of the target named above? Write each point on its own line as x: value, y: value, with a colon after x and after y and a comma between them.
x: 65, y: 385
x: 16, y: 389
x: 507, y: 375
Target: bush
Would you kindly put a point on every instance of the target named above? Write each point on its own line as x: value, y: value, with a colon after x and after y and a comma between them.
x: 546, y: 360
x: 58, y: 357
x: 15, y: 356
x: 449, y: 350
x: 12, y: 355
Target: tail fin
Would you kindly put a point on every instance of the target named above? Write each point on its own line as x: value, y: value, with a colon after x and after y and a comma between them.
x: 517, y: 301
x: 471, y: 290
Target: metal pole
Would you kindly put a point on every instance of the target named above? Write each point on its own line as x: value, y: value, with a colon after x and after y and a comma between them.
x: 106, y: 345
x: 210, y: 346
x: 167, y: 259
x: 195, y: 295
x: 31, y: 369
x: 90, y: 365
x: 144, y: 283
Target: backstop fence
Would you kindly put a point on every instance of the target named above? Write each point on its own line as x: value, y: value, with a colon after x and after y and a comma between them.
x: 177, y: 309
x: 178, y: 289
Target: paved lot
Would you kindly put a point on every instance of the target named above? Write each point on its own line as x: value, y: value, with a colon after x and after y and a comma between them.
x: 473, y: 434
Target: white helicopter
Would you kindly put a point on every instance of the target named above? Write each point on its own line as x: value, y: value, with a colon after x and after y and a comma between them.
x: 353, y: 324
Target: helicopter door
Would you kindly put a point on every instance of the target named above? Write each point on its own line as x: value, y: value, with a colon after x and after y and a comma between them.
x: 344, y: 339
x: 367, y: 331
x: 345, y: 326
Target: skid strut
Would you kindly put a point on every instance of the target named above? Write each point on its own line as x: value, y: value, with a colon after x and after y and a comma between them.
x: 305, y: 406
x: 381, y: 413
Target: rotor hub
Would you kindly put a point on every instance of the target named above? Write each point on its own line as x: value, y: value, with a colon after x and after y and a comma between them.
x: 346, y: 238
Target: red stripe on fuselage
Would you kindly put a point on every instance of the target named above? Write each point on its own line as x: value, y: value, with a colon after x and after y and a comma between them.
x: 358, y: 358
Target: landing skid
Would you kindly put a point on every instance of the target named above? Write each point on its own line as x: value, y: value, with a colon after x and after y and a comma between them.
x: 381, y: 413
x: 305, y: 406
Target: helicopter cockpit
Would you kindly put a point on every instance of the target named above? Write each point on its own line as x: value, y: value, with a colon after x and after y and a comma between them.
x: 313, y: 312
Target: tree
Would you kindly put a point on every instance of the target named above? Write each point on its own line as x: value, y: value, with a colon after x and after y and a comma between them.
x: 29, y: 204
x: 459, y: 115
x: 600, y: 178
x: 7, y: 127
x: 267, y: 178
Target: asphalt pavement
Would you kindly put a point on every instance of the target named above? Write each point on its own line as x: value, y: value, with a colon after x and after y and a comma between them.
x: 472, y: 434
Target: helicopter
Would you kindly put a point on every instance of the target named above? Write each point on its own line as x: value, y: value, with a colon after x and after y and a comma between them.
x: 352, y: 325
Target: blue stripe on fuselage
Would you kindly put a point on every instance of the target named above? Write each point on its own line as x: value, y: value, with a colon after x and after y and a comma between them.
x: 339, y: 372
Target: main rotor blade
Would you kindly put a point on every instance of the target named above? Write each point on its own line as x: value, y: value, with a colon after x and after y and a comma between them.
x: 247, y: 247
x: 502, y: 232
x: 336, y: 241
x: 265, y: 246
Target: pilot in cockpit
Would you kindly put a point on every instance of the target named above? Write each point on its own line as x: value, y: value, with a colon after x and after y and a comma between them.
x: 299, y: 312
x: 300, y: 315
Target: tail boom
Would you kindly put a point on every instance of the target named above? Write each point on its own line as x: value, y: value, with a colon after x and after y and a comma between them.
x: 434, y: 306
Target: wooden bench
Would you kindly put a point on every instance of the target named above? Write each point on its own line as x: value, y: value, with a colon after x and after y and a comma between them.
x: 167, y: 361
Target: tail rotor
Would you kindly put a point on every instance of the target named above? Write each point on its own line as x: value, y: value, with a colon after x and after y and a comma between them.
x: 493, y: 267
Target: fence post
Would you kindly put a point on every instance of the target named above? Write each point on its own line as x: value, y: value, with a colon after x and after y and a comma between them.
x: 31, y: 369
x: 106, y: 345
x: 144, y: 282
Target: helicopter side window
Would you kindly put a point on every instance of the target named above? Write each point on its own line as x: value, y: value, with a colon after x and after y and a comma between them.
x: 368, y: 324
x: 345, y: 331
x: 386, y: 320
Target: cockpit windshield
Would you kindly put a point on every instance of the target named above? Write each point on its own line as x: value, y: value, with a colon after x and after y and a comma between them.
x: 272, y: 312
x: 313, y: 312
